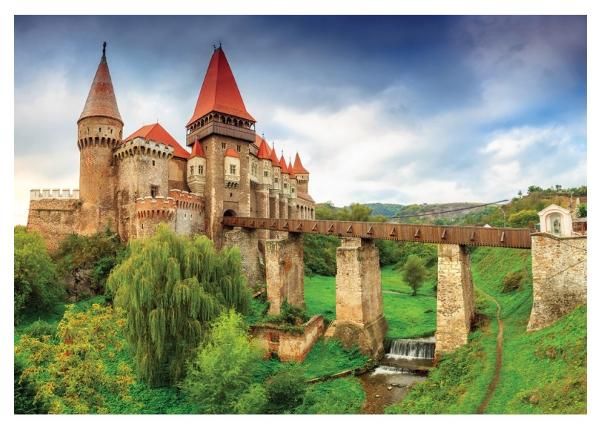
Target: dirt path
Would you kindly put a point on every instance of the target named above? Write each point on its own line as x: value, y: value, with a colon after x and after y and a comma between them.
x: 499, y: 348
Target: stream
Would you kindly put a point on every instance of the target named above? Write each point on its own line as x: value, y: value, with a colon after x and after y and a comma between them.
x: 406, y: 363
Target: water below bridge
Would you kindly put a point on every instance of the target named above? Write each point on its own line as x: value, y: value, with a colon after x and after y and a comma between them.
x: 406, y: 363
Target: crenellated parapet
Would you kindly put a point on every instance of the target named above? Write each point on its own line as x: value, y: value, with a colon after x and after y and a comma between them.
x: 140, y: 146
x: 55, y: 193
x: 187, y: 200
x: 157, y: 207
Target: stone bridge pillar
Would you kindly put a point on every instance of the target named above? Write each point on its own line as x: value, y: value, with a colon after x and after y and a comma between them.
x: 252, y: 262
x: 284, y: 262
x: 359, y: 303
x: 559, y: 268
x: 455, y: 304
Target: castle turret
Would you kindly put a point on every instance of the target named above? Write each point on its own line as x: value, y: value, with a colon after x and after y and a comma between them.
x: 196, y: 169
x: 100, y: 130
x: 301, y: 174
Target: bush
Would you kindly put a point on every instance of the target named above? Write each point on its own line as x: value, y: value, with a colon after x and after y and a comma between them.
x: 582, y: 210
x: 524, y: 218
x: 289, y: 314
x: 285, y: 390
x: 172, y: 287
x: 40, y: 328
x: 338, y: 396
x: 513, y: 281
x: 219, y: 376
x: 36, y: 286
x: 24, y: 402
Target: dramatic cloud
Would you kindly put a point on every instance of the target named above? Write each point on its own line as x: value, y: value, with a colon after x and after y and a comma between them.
x: 409, y: 109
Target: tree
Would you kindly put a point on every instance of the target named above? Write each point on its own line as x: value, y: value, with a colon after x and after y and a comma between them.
x: 524, y: 218
x: 286, y: 390
x: 219, y: 376
x: 68, y: 372
x: 414, y: 273
x: 172, y: 287
x: 534, y: 189
x: 35, y: 281
x: 582, y: 210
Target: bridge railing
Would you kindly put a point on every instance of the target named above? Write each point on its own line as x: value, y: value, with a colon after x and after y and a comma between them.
x: 458, y: 235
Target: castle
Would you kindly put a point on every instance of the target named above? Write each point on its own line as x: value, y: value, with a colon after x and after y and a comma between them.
x: 131, y: 185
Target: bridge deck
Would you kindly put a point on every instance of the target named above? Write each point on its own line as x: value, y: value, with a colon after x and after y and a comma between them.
x: 458, y: 235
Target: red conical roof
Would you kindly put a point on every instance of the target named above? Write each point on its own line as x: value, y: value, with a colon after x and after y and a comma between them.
x: 263, y: 148
x: 274, y: 159
x: 157, y: 133
x: 232, y: 153
x: 101, y: 100
x: 298, y: 167
x: 219, y: 91
x: 197, y: 150
x: 291, y: 169
x: 284, y: 166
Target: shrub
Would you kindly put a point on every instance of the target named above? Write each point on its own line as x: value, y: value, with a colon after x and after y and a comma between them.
x: 219, y: 376
x: 172, y: 287
x: 524, y: 218
x: 285, y: 390
x: 582, y: 210
x: 40, y: 328
x: 24, y: 402
x: 513, y: 281
x: 289, y: 314
x: 36, y: 286
x: 338, y: 396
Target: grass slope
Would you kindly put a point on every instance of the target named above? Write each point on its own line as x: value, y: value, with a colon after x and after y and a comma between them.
x: 542, y: 372
x: 407, y: 316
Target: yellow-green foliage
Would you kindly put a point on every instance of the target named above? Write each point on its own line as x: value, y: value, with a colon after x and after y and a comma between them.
x: 171, y: 287
x: 68, y: 371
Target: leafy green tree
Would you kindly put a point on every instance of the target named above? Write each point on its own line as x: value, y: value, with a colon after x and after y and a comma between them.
x: 524, y: 218
x: 219, y: 377
x: 414, y: 273
x: 286, y: 390
x: 171, y: 288
x: 582, y: 210
x: 68, y: 371
x: 35, y: 281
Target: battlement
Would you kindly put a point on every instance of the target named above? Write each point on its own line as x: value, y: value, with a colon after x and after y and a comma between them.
x: 139, y: 145
x: 55, y: 193
x: 157, y: 207
x: 187, y: 200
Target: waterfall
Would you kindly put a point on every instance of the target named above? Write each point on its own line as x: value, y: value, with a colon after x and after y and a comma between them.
x: 411, y: 349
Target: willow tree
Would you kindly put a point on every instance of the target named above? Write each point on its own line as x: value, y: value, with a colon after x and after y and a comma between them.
x: 171, y: 288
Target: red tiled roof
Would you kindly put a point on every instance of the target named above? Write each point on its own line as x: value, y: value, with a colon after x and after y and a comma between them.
x: 101, y: 100
x: 197, y: 150
x: 274, y: 159
x: 284, y: 166
x: 298, y: 167
x: 157, y: 133
x: 263, y: 148
x: 232, y: 153
x: 219, y: 91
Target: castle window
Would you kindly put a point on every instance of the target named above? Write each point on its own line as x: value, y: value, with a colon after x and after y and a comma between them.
x: 276, y: 180
x: 191, y: 170
x: 285, y: 185
x: 232, y: 169
x: 99, y: 130
x: 239, y: 148
x: 201, y: 170
x: 293, y: 190
x: 153, y: 190
x: 266, y: 173
x: 223, y: 145
x: 153, y: 162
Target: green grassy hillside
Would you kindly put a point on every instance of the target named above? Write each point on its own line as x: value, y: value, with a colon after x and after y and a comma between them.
x: 542, y: 372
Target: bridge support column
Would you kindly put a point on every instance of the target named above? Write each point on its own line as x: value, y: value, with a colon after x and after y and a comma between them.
x: 455, y: 305
x: 359, y: 303
x: 559, y: 269
x: 284, y: 261
x: 252, y: 259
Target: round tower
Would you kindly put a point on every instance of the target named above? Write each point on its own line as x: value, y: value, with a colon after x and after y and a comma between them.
x: 99, y: 131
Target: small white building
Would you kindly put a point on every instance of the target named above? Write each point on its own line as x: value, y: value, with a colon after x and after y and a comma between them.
x: 556, y: 220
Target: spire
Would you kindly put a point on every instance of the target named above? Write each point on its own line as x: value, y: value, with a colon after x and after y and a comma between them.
x: 263, y: 148
x: 298, y: 167
x: 101, y: 100
x: 274, y: 159
x: 197, y: 150
x: 284, y: 166
x: 219, y: 91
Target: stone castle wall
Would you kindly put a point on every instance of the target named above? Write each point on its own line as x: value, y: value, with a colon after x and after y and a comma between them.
x: 559, y: 267
x: 178, y: 174
x: 455, y: 304
x: 54, y: 219
x: 284, y: 267
x: 252, y: 260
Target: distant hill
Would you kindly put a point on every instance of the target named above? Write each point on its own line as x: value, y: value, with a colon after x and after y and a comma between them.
x: 425, y: 212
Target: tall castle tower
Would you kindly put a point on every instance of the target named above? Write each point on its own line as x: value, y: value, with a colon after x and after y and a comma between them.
x: 225, y: 130
x: 99, y: 131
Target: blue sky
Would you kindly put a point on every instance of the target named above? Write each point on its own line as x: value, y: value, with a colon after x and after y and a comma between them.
x: 399, y: 109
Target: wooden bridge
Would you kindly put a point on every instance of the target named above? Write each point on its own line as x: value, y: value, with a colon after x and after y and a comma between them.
x: 456, y: 235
